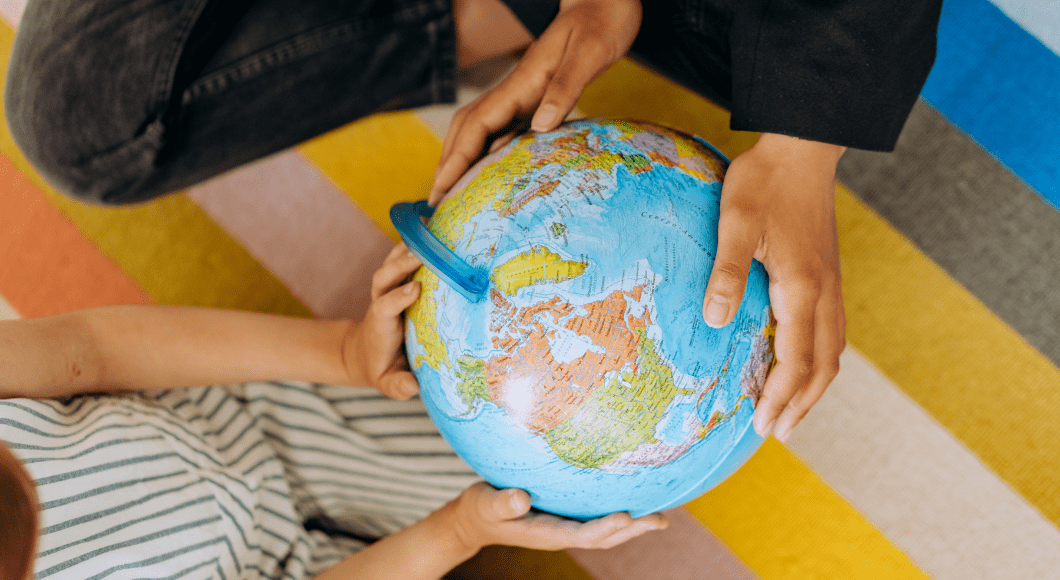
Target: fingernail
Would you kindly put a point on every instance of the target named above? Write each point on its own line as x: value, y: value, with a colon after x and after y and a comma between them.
x: 544, y: 119
x: 782, y: 435
x: 514, y: 500
x: 768, y: 429
x: 717, y: 311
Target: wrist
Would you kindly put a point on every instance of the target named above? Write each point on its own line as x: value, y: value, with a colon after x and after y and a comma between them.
x: 350, y: 349
x: 461, y: 533
x: 783, y: 147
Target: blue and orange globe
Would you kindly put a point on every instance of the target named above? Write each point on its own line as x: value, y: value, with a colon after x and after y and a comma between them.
x: 559, y: 340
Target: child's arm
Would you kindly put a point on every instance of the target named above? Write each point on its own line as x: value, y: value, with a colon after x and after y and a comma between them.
x: 124, y: 348
x: 482, y: 516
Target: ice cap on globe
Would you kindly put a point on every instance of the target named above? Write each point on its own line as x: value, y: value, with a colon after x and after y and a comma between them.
x: 559, y: 340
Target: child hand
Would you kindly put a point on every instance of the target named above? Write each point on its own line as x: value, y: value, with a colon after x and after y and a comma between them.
x: 372, y: 350
x: 778, y: 206
x: 585, y: 39
x: 483, y: 515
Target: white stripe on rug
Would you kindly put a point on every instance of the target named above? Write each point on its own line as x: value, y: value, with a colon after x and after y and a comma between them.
x: 1040, y: 18
x: 919, y: 485
x: 7, y: 312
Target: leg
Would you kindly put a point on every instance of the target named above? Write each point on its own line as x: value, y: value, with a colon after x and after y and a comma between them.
x: 687, y: 41
x: 118, y: 102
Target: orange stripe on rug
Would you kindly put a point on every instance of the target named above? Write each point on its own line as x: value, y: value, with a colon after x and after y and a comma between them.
x: 49, y: 266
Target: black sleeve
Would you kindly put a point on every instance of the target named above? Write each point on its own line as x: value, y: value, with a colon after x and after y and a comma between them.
x: 838, y: 71
x: 535, y: 15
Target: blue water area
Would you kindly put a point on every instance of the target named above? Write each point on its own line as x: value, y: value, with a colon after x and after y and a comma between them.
x: 508, y: 456
x: 670, y: 219
x: 1001, y: 86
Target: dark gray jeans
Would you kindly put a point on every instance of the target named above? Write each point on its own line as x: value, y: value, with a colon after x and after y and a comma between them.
x: 118, y: 101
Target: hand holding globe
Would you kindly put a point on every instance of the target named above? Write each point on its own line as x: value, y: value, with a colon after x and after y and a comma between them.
x: 558, y: 352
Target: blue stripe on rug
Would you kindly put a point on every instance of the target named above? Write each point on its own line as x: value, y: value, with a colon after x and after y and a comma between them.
x: 999, y: 84
x: 1041, y: 18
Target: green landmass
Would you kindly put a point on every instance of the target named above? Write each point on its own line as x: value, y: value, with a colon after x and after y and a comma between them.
x: 472, y: 385
x: 635, y: 163
x: 494, y: 179
x: 618, y: 417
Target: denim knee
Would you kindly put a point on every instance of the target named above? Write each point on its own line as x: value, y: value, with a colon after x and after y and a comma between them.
x: 49, y: 139
x: 81, y: 115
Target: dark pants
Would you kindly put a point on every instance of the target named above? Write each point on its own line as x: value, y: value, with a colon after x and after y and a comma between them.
x: 119, y: 101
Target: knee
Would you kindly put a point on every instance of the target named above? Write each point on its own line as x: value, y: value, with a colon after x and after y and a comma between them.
x: 58, y: 114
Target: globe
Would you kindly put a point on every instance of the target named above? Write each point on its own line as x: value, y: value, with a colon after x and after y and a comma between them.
x: 559, y: 340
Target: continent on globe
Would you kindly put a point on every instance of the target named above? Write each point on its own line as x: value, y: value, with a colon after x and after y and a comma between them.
x: 585, y: 373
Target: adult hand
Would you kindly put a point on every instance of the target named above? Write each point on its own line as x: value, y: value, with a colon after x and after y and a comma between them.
x: 778, y: 206
x: 484, y: 516
x: 372, y: 349
x: 585, y: 38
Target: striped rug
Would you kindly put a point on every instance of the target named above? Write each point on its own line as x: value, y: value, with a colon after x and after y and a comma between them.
x: 935, y: 453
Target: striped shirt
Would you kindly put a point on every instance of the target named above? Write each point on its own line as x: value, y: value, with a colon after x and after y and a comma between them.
x: 262, y: 480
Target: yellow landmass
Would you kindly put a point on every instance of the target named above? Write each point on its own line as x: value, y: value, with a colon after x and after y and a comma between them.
x: 423, y: 314
x: 538, y: 266
x: 496, y: 181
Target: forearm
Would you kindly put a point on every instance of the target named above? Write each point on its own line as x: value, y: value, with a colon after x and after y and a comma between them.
x: 425, y: 550
x: 123, y: 348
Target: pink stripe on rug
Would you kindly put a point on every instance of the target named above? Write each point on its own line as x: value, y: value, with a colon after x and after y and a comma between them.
x: 683, y: 551
x: 302, y: 228
x: 11, y: 11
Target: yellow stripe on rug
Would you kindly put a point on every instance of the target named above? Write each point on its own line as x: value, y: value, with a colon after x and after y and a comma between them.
x: 169, y: 247
x: 630, y: 91
x: 786, y: 523
x: 379, y: 161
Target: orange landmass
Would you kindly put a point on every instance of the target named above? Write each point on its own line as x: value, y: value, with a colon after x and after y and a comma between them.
x: 526, y: 362
x: 661, y: 159
x: 523, y: 200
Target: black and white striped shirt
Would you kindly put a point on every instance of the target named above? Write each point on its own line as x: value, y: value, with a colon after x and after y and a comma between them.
x: 262, y: 480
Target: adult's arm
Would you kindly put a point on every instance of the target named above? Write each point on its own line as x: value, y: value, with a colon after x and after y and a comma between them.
x: 845, y: 72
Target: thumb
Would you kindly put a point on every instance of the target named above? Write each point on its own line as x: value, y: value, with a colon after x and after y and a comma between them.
x: 737, y: 242
x: 508, y: 504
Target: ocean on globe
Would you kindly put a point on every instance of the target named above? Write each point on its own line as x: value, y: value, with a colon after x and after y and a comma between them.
x: 580, y: 368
